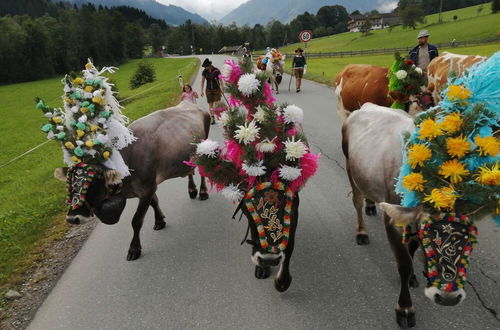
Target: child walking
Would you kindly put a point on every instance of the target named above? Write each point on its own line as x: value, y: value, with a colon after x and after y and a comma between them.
x: 188, y: 94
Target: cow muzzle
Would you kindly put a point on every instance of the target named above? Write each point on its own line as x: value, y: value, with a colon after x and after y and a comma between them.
x: 445, y: 298
x: 267, y: 259
x: 77, y: 219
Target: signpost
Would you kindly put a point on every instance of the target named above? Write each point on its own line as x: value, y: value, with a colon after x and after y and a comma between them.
x: 305, y: 36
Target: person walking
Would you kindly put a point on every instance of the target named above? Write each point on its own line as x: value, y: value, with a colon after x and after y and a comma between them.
x: 299, y: 66
x: 424, y: 52
x: 214, y: 85
x: 188, y: 94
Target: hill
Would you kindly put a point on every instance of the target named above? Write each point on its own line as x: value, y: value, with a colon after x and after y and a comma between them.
x: 171, y: 14
x: 470, y: 25
x: 263, y: 11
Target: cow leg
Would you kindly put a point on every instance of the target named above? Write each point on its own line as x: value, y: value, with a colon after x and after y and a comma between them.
x: 357, y: 199
x: 193, y: 192
x: 159, y: 216
x: 283, y: 278
x: 203, y: 189
x: 134, y: 251
x: 405, y: 312
x: 412, y: 247
x: 277, y: 86
x: 370, y: 208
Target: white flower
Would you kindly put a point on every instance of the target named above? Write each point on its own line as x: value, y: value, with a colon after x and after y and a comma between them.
x: 293, y: 114
x: 247, y: 133
x: 97, y: 93
x: 419, y: 71
x: 67, y: 88
x: 295, y: 149
x: 265, y: 146
x: 401, y: 74
x: 248, y: 84
x: 88, y: 95
x: 255, y: 169
x: 50, y: 135
x: 102, y: 138
x: 224, y: 118
x: 232, y: 193
x: 289, y: 173
x: 207, y: 147
x: 75, y: 109
x: 226, y: 70
x: 48, y: 114
x: 79, y: 143
x: 101, y: 120
x: 260, y: 114
x: 82, y: 119
x: 60, y: 128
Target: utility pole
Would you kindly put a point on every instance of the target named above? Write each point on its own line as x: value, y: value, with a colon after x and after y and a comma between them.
x: 440, y: 11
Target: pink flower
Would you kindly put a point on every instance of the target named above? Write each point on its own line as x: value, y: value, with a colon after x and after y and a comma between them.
x: 268, y: 94
x: 231, y: 71
x: 234, y: 152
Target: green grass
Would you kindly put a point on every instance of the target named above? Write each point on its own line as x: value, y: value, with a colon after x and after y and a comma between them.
x: 469, y: 26
x: 324, y: 70
x: 30, y: 198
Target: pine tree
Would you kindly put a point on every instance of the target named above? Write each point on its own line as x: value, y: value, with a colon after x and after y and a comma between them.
x: 495, y: 6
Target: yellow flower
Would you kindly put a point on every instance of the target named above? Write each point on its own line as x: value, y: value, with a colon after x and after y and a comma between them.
x: 68, y: 100
x: 80, y: 133
x: 89, y: 89
x: 418, y: 154
x: 93, y: 128
x: 89, y: 66
x: 454, y: 170
x: 457, y: 147
x: 106, y: 154
x: 97, y: 99
x: 429, y: 129
x: 78, y: 81
x: 488, y: 146
x: 57, y: 120
x: 414, y: 181
x: 451, y: 123
x: 489, y: 176
x: 76, y: 159
x: 458, y: 92
x: 89, y: 143
x: 443, y: 198
x: 69, y: 145
x: 84, y: 110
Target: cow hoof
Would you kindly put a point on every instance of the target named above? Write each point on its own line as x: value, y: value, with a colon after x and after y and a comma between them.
x: 371, y: 210
x: 159, y: 225
x: 133, y: 254
x: 203, y: 196
x: 281, y: 285
x: 413, y: 281
x: 193, y: 193
x: 405, y: 319
x: 277, y: 92
x: 362, y: 239
x: 262, y: 272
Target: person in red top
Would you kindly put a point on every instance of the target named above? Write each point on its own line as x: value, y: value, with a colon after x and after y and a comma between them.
x: 214, y: 85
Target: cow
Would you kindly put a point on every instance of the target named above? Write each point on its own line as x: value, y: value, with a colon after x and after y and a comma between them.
x: 164, y: 143
x: 358, y: 84
x: 440, y: 68
x: 275, y: 71
x: 372, y: 144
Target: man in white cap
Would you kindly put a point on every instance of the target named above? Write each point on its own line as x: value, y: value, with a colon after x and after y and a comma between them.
x: 422, y: 54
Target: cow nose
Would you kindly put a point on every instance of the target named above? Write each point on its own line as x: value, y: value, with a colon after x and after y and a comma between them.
x: 73, y: 220
x: 447, y: 301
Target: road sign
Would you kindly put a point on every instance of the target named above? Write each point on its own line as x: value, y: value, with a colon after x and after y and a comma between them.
x: 305, y: 36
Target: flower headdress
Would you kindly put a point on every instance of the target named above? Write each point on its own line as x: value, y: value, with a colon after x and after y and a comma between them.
x: 405, y: 78
x: 263, y: 141
x: 451, y: 160
x: 90, y: 127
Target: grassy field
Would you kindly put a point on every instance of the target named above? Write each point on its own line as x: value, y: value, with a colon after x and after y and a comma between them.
x: 469, y: 26
x: 324, y: 70
x: 31, y: 200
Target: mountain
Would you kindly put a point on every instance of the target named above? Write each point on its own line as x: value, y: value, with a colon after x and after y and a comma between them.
x: 173, y: 15
x: 262, y: 11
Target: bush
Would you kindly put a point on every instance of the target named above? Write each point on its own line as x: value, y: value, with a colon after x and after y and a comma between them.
x: 144, y: 74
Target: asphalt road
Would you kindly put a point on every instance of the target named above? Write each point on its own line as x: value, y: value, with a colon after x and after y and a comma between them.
x: 195, y: 275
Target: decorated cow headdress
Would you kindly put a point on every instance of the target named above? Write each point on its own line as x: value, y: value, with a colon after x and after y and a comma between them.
x: 451, y: 168
x: 90, y: 128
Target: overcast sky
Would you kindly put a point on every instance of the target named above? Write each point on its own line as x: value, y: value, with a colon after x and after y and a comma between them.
x: 216, y: 9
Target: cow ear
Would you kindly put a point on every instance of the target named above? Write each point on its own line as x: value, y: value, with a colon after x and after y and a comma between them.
x: 60, y: 173
x: 430, y: 87
x: 402, y: 216
x: 112, y: 176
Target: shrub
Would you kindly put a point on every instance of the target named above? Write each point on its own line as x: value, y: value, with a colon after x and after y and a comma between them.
x: 144, y: 74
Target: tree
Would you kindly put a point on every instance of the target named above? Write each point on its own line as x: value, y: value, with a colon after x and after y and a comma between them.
x: 275, y: 34
x: 495, y: 6
x: 366, y: 27
x: 155, y: 37
x: 135, y: 40
x: 412, y: 15
x: 356, y: 12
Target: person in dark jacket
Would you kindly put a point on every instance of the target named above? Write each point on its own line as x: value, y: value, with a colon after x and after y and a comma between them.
x: 422, y: 54
x: 299, y: 67
x: 214, y: 85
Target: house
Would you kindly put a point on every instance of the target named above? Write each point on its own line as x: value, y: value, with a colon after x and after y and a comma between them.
x: 377, y: 21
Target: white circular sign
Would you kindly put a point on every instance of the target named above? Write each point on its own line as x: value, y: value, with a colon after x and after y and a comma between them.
x: 305, y: 36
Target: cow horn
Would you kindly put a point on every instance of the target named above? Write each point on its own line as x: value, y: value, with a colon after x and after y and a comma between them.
x: 112, y: 176
x: 60, y: 173
x: 401, y: 216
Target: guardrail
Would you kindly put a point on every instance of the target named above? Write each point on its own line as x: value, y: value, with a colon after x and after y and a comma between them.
x: 390, y: 51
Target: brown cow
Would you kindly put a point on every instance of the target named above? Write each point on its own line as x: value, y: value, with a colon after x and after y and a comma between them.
x: 441, y: 66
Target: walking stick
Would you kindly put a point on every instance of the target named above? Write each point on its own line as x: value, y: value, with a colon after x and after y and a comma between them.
x: 291, y: 75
